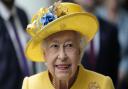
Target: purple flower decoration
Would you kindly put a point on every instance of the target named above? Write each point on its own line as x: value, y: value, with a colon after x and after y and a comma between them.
x: 48, y: 17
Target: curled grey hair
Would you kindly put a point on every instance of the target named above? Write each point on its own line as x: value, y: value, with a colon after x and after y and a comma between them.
x: 83, y: 43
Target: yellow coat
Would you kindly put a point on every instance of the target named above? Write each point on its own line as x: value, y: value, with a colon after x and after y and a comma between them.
x: 85, y: 80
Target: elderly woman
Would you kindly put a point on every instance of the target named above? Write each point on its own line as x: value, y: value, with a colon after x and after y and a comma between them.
x: 59, y: 34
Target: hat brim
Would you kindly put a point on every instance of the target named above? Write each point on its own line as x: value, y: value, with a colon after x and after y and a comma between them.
x: 84, y: 23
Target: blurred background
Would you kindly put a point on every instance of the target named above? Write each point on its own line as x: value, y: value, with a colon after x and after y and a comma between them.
x: 107, y: 53
x: 31, y: 6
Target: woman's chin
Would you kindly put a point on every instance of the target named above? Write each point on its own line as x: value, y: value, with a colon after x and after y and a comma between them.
x: 63, y: 72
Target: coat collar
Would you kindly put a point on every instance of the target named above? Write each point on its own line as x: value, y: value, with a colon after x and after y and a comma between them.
x: 77, y: 82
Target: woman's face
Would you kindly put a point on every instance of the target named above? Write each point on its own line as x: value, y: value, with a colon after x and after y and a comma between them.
x: 62, y: 54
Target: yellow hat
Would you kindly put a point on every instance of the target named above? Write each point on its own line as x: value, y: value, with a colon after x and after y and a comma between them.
x: 59, y: 17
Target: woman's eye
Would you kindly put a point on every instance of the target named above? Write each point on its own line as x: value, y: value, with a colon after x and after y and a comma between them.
x: 54, y: 46
x: 69, y: 45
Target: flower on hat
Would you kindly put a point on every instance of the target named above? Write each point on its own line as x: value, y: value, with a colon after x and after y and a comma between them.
x: 45, y: 16
x: 53, y: 13
x: 48, y: 17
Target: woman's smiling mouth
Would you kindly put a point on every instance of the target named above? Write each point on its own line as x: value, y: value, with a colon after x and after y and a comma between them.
x: 63, y: 67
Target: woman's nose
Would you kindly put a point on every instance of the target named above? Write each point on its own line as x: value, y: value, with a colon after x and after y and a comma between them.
x: 62, y: 54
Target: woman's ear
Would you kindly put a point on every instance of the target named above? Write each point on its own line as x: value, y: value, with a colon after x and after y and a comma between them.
x: 43, y: 47
x: 44, y: 55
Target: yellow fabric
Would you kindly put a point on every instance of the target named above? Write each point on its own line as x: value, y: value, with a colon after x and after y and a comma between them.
x: 85, y: 80
x: 75, y: 19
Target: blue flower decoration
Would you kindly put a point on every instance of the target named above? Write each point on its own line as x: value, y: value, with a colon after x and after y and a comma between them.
x: 48, y: 17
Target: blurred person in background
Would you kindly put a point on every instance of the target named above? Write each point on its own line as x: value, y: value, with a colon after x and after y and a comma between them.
x: 102, y: 54
x: 125, y: 5
x: 13, y: 67
x: 112, y: 11
x: 123, y: 84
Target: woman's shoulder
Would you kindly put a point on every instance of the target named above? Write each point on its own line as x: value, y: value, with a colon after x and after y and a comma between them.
x: 36, y: 81
x: 39, y: 77
x: 91, y: 79
x: 92, y: 73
